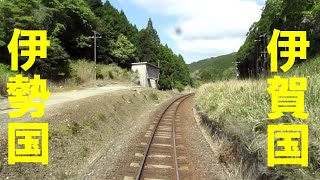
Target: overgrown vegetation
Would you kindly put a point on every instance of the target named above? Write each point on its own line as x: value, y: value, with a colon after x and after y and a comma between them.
x: 5, y: 73
x: 70, y: 24
x: 84, y: 71
x: 240, y: 108
x: 213, y: 69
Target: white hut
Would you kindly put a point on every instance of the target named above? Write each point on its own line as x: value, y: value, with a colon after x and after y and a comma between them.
x: 148, y: 74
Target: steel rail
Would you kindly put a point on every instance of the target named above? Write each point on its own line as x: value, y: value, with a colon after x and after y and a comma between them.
x: 174, y: 139
x: 153, y: 134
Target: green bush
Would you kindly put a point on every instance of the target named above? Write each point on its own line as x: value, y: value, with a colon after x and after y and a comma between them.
x: 5, y: 73
x: 154, y: 96
x: 179, y: 86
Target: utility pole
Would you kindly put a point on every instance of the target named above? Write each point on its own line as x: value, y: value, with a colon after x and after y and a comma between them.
x: 95, y: 33
x: 263, y: 53
x: 258, y: 43
x: 158, y: 73
x: 237, y: 73
x: 172, y: 83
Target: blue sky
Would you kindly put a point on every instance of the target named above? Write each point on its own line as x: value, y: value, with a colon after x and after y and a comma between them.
x: 209, y: 28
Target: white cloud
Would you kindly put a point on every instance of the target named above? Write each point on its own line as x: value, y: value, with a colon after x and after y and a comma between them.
x: 207, y: 26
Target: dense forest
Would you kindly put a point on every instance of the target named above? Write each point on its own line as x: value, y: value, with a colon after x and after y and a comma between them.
x: 285, y: 15
x: 70, y: 23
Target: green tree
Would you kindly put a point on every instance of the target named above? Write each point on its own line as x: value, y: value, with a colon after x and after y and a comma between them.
x: 56, y: 66
x: 96, y: 6
x: 15, y: 14
x: 2, y: 26
x: 182, y: 71
x: 148, y: 51
x: 70, y: 23
x: 124, y: 51
x: 153, y: 33
x: 113, y: 23
x: 279, y: 14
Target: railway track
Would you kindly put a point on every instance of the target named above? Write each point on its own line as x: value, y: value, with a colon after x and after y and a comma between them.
x: 163, y: 155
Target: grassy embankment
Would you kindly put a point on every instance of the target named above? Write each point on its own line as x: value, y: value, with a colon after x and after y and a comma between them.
x: 81, y: 132
x: 239, y: 111
x: 82, y: 75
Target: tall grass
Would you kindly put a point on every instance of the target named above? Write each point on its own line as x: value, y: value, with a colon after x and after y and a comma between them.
x: 240, y: 109
x: 112, y: 71
x: 84, y: 71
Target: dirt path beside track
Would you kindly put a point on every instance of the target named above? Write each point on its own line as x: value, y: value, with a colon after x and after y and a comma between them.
x: 63, y: 97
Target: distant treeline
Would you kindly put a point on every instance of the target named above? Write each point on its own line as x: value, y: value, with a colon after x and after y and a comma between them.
x: 290, y: 15
x: 213, y: 69
x: 70, y: 24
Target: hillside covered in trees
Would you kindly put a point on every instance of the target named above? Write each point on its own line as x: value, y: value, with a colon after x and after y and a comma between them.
x: 285, y: 15
x: 214, y: 69
x: 70, y: 23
